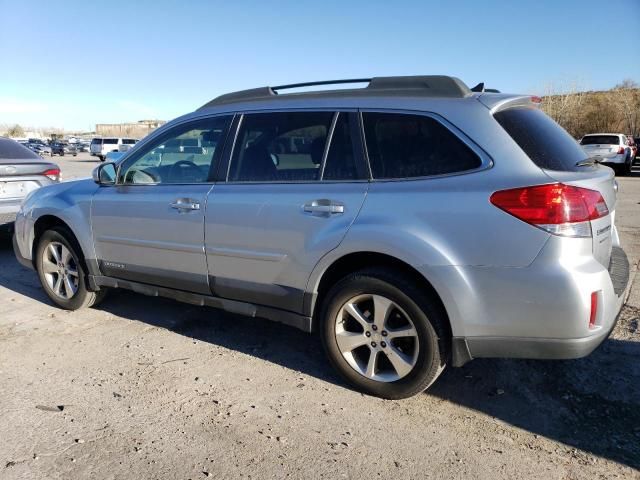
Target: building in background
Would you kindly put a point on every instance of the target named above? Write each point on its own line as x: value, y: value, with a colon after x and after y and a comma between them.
x: 130, y: 130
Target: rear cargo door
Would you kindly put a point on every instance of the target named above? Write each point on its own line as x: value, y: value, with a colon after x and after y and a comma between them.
x: 552, y: 149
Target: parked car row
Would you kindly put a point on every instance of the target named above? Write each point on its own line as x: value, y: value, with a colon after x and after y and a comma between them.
x: 53, y: 148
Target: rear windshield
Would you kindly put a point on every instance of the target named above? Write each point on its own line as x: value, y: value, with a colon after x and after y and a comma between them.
x: 600, y: 140
x: 96, y: 141
x: 546, y: 143
x: 12, y: 150
x: 110, y: 141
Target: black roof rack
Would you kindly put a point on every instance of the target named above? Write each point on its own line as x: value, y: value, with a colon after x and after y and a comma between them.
x: 425, y: 85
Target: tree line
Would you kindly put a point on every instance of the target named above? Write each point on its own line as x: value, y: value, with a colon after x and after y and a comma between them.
x: 611, y: 111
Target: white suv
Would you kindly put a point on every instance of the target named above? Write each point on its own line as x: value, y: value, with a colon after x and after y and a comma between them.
x: 101, y: 146
x: 612, y: 149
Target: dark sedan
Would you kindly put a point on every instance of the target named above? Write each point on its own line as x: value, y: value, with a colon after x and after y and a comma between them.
x: 21, y: 171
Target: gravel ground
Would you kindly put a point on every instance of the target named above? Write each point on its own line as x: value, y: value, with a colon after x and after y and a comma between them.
x: 149, y: 388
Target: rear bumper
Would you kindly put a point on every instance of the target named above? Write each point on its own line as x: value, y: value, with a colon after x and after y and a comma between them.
x: 614, y: 160
x: 542, y: 312
x: 8, y: 211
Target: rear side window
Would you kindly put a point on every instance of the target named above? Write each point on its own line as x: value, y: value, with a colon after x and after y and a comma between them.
x: 545, y: 142
x: 110, y: 141
x: 280, y: 147
x: 600, y: 140
x: 406, y: 146
x: 128, y: 141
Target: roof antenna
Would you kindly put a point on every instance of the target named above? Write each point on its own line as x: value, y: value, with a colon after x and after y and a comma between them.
x: 478, y: 88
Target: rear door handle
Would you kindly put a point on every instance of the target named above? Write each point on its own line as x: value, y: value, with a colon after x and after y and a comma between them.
x: 185, y: 204
x: 324, y: 207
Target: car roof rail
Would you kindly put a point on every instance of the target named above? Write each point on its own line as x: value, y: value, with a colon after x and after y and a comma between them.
x: 422, y: 85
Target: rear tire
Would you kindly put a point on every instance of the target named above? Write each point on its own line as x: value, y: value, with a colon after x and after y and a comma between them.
x: 62, y: 272
x: 403, y: 364
x: 628, y: 166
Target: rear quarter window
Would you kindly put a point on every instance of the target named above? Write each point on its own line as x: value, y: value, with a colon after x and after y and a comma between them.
x: 409, y: 146
x: 545, y: 142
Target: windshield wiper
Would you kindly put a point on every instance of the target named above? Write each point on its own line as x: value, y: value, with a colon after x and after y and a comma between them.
x: 588, y: 162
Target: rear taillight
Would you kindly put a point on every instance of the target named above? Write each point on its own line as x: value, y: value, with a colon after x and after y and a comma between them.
x: 620, y: 150
x: 52, y: 173
x: 557, y: 208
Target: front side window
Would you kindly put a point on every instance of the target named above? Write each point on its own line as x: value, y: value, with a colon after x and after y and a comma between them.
x: 408, y: 146
x: 280, y: 147
x: 184, y: 154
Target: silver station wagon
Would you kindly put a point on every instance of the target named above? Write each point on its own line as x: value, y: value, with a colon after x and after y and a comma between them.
x: 412, y: 223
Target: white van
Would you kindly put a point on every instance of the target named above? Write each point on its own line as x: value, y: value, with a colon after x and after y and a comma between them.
x: 101, y: 146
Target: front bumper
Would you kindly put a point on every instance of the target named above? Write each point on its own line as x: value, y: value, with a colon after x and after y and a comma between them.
x: 25, y: 262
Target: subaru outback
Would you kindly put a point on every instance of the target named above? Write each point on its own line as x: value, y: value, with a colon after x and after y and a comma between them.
x: 412, y: 224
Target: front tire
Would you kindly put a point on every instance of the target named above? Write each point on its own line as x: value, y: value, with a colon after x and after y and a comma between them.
x: 383, y: 334
x: 62, y: 272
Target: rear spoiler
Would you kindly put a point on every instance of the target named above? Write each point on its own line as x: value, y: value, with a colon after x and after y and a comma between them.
x: 500, y: 101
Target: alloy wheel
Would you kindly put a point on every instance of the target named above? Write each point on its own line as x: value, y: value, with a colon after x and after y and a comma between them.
x: 60, y: 270
x: 377, y: 338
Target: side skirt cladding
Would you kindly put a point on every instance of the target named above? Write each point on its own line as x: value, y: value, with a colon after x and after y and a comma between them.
x: 233, y: 306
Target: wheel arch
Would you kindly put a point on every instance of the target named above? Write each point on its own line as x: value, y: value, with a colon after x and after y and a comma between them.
x: 355, y: 261
x: 49, y: 221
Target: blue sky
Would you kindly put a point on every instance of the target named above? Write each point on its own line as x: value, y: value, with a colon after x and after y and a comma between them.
x: 72, y: 64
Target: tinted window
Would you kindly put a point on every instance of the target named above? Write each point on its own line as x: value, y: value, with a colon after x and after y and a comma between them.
x: 280, y: 147
x: 110, y: 141
x: 341, y: 160
x: 10, y: 149
x: 600, y: 140
x: 128, y: 141
x: 405, y: 146
x: 184, y: 154
x: 96, y: 141
x: 546, y: 143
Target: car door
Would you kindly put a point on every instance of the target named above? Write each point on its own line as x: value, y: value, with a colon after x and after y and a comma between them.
x: 149, y: 227
x: 294, y: 185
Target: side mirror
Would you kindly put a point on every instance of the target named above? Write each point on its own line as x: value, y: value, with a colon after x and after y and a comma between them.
x: 105, y: 174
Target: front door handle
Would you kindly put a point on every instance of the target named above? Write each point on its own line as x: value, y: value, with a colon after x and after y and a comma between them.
x: 324, y: 207
x: 185, y: 204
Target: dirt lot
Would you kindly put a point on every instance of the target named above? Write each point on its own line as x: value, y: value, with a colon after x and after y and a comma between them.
x: 148, y: 388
